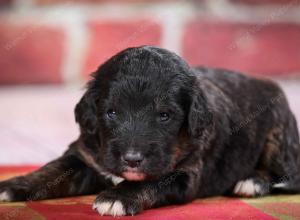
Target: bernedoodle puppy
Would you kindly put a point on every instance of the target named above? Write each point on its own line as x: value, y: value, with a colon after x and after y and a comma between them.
x: 155, y: 131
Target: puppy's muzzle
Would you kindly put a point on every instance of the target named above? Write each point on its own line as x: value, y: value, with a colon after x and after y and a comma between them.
x: 132, y: 159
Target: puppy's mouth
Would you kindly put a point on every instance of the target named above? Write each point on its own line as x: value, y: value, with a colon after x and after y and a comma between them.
x: 133, y: 174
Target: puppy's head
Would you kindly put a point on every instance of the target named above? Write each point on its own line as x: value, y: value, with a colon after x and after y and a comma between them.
x: 140, y: 113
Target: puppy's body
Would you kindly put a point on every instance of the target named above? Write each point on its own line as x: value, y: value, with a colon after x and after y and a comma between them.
x: 256, y: 136
x: 165, y: 133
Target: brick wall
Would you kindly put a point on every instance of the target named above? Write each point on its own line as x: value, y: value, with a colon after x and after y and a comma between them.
x: 62, y: 41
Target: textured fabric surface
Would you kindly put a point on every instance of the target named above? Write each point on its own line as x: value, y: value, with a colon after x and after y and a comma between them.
x: 79, y: 208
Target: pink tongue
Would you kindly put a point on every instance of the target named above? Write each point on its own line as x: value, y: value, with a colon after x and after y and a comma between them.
x: 133, y: 176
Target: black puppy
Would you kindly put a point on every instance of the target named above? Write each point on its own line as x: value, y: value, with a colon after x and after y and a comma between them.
x: 155, y: 131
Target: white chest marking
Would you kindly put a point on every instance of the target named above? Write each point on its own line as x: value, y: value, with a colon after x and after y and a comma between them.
x: 91, y: 162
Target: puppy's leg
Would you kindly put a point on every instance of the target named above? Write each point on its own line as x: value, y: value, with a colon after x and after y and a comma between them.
x: 257, y: 185
x: 66, y: 176
x: 129, y: 198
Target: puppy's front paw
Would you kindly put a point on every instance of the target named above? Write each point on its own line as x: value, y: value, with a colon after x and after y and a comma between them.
x: 5, y: 196
x: 250, y: 188
x: 13, y: 190
x: 116, y: 203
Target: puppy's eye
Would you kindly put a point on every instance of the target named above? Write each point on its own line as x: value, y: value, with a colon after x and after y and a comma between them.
x: 111, y: 114
x: 164, y: 116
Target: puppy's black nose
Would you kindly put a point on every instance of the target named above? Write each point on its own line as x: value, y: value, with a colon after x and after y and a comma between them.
x: 133, y: 159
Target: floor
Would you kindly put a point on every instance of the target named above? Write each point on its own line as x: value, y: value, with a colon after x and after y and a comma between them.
x: 37, y: 123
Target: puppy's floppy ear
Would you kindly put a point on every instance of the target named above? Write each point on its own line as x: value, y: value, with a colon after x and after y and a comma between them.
x: 86, y: 109
x: 85, y: 113
x: 200, y: 116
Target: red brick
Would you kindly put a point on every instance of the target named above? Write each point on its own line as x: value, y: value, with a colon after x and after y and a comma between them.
x: 108, y: 38
x: 265, y: 2
x: 5, y: 3
x: 257, y: 49
x: 51, y: 2
x: 30, y: 54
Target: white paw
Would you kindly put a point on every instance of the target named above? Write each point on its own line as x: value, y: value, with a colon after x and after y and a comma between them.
x: 247, y: 188
x: 5, y: 197
x: 110, y: 208
x: 280, y: 185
